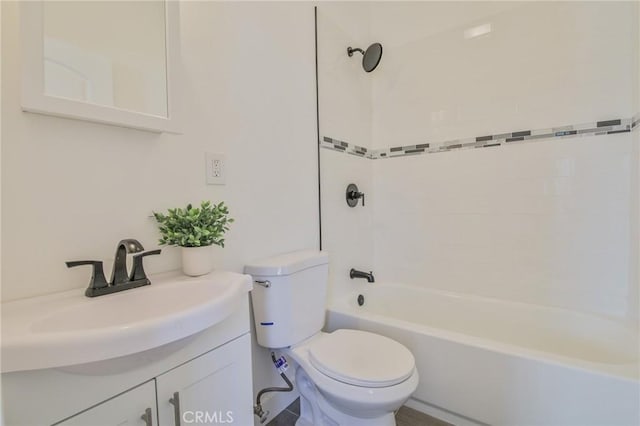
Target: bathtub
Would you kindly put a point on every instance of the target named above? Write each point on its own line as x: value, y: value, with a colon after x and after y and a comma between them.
x: 490, y: 361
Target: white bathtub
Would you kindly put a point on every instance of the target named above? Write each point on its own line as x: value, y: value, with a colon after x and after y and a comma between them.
x: 490, y: 361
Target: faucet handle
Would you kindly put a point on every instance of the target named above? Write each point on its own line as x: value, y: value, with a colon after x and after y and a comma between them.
x: 137, y: 270
x: 353, y: 195
x: 97, y: 280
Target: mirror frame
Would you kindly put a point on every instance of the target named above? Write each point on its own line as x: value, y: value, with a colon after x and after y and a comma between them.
x: 35, y: 100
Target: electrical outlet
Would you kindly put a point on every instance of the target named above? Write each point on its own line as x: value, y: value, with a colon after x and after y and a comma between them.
x: 215, y: 168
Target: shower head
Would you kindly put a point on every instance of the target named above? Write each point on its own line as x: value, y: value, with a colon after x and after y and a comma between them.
x: 370, y: 58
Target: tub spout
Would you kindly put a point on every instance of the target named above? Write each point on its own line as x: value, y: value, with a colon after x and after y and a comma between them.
x: 354, y: 273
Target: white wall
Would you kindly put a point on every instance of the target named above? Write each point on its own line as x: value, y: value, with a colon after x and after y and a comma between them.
x: 544, y: 64
x: 72, y: 189
x: 635, y: 74
x: 346, y: 231
x: 345, y: 107
x: 344, y: 88
x: 635, y: 173
x: 544, y: 222
x: 547, y: 222
x: 1, y: 133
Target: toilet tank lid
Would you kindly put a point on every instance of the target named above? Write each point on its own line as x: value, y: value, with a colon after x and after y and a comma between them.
x: 288, y: 263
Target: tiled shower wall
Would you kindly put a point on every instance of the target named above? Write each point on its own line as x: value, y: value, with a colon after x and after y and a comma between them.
x: 542, y: 65
x: 344, y: 109
x: 545, y: 223
x: 551, y: 221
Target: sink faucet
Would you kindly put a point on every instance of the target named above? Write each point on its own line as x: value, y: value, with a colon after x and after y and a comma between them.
x: 120, y: 279
x: 119, y: 274
x: 354, y: 273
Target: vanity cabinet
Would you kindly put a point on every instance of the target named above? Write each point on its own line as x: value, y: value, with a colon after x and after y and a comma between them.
x: 126, y: 409
x: 214, y: 388
x: 209, y: 372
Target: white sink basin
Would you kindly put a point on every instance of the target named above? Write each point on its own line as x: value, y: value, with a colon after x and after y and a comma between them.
x: 68, y: 328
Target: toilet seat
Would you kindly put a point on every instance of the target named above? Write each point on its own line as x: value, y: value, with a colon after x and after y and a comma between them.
x: 369, y: 404
x: 361, y: 358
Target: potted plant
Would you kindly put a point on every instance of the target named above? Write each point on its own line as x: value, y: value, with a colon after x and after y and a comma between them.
x: 195, y: 230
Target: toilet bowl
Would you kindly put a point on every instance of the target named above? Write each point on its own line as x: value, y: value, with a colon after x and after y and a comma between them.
x: 353, y: 378
x: 345, y: 378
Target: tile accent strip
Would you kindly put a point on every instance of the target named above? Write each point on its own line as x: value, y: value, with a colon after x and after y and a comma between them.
x: 606, y: 127
x: 342, y: 146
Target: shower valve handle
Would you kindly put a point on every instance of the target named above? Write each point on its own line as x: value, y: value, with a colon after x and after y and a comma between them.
x: 358, y: 195
x: 353, y: 195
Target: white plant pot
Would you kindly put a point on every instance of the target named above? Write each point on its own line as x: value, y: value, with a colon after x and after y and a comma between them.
x: 197, y: 261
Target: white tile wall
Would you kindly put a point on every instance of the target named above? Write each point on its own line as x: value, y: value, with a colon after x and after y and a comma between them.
x: 635, y: 72
x: 346, y: 231
x: 634, y: 245
x: 543, y: 64
x: 550, y: 222
x: 344, y: 88
x: 345, y: 110
x: 635, y: 176
x: 545, y: 223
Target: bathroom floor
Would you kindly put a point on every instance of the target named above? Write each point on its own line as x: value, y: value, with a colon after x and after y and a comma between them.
x: 405, y: 417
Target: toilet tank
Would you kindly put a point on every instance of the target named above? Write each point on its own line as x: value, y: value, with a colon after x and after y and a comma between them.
x: 289, y: 296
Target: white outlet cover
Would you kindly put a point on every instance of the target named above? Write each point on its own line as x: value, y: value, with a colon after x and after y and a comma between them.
x: 215, y: 165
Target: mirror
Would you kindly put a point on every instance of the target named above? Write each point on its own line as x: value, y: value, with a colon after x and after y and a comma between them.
x: 92, y: 60
x: 101, y: 61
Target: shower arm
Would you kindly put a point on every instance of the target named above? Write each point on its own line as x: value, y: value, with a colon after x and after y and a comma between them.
x: 350, y: 50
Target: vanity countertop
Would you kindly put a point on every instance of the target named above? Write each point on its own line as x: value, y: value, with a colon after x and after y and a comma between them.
x: 67, y: 328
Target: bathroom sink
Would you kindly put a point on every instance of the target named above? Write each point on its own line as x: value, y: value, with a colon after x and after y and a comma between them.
x: 132, y: 307
x: 68, y: 328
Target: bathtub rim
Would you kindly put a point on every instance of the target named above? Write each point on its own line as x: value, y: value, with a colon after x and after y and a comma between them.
x: 626, y: 371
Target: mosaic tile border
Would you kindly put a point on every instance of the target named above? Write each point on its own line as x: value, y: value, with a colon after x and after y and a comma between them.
x: 606, y: 127
x: 345, y: 147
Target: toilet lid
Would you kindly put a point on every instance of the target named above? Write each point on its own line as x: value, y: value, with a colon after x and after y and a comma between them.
x: 362, y: 359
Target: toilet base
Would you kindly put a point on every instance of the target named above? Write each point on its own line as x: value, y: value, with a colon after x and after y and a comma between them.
x: 315, y: 410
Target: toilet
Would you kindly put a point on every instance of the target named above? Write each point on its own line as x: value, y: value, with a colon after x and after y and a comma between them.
x: 345, y: 378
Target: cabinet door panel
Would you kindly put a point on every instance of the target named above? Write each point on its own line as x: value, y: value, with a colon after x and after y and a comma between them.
x: 214, y: 388
x: 123, y: 410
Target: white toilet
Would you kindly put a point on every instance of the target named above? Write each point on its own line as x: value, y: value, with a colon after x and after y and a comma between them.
x: 347, y: 377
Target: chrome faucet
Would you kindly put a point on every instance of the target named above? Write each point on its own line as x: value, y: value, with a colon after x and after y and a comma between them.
x: 354, y: 273
x: 120, y: 278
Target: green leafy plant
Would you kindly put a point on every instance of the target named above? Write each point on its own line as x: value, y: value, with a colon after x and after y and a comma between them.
x: 194, y: 226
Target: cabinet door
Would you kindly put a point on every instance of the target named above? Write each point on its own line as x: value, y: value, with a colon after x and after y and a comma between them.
x: 136, y: 407
x: 214, y: 388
